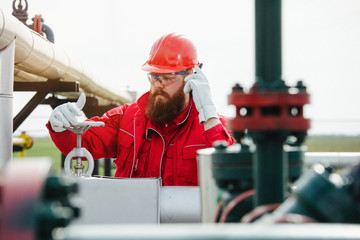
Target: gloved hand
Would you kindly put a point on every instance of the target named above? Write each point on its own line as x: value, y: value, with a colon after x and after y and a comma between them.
x: 200, y: 87
x: 66, y: 114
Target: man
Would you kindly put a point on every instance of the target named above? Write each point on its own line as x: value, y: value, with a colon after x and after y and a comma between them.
x: 157, y: 136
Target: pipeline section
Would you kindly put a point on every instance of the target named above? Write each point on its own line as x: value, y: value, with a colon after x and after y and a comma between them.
x: 36, y: 55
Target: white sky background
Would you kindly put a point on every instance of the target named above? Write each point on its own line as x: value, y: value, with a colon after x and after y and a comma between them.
x: 320, y: 45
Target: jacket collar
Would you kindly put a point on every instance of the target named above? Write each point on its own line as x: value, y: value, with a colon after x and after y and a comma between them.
x: 142, y: 101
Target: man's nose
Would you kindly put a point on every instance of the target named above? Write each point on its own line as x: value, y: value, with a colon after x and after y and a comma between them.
x: 158, y: 83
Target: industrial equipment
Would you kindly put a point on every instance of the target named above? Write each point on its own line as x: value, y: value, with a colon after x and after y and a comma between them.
x: 259, y: 181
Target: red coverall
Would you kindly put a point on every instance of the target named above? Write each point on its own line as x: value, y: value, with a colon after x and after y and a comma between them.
x: 142, y: 147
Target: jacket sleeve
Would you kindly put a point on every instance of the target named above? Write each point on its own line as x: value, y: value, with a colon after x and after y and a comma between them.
x: 218, y: 133
x: 101, y: 142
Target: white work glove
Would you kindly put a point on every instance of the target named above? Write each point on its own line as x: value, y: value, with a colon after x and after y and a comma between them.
x: 66, y: 114
x: 200, y: 87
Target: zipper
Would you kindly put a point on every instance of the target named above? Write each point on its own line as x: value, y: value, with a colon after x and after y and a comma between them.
x: 132, y: 166
x: 162, y: 155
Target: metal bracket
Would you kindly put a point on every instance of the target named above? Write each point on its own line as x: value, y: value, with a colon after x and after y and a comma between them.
x: 42, y: 89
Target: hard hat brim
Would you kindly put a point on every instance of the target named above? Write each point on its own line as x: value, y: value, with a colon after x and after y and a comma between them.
x: 164, y: 69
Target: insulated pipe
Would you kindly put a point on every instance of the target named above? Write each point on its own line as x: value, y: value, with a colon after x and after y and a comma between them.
x: 21, y: 76
x: 6, y: 98
x: 214, y: 231
x: 179, y: 204
x: 36, y: 55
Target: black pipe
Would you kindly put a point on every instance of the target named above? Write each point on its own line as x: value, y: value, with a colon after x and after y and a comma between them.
x: 48, y: 32
x: 268, y: 43
x: 96, y: 167
x: 63, y: 161
x: 107, y: 166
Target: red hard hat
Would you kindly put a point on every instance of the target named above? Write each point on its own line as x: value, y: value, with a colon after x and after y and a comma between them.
x: 171, y: 53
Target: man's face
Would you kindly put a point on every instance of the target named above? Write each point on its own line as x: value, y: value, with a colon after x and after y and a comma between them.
x: 165, y: 102
x: 168, y: 83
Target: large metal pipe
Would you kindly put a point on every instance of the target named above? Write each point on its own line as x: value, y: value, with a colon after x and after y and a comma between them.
x: 6, y: 98
x: 270, y: 162
x: 179, y: 204
x: 36, y: 55
x: 213, y: 231
x: 209, y: 191
x: 268, y: 42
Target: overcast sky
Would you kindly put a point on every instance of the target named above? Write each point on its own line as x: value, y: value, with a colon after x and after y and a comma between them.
x: 321, y: 46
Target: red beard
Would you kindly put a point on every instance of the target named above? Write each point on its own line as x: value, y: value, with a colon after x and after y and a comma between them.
x: 160, y: 111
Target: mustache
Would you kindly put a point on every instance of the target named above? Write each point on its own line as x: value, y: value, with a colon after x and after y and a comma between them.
x: 160, y: 92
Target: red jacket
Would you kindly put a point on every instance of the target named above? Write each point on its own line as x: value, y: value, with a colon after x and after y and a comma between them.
x: 141, y: 147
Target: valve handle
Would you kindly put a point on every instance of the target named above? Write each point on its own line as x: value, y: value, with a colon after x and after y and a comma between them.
x: 84, y: 126
x: 80, y: 152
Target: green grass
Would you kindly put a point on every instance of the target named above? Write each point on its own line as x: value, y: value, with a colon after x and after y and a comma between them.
x: 333, y: 144
x: 44, y: 147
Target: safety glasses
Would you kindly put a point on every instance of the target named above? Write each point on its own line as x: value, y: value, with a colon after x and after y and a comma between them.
x: 164, y: 78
